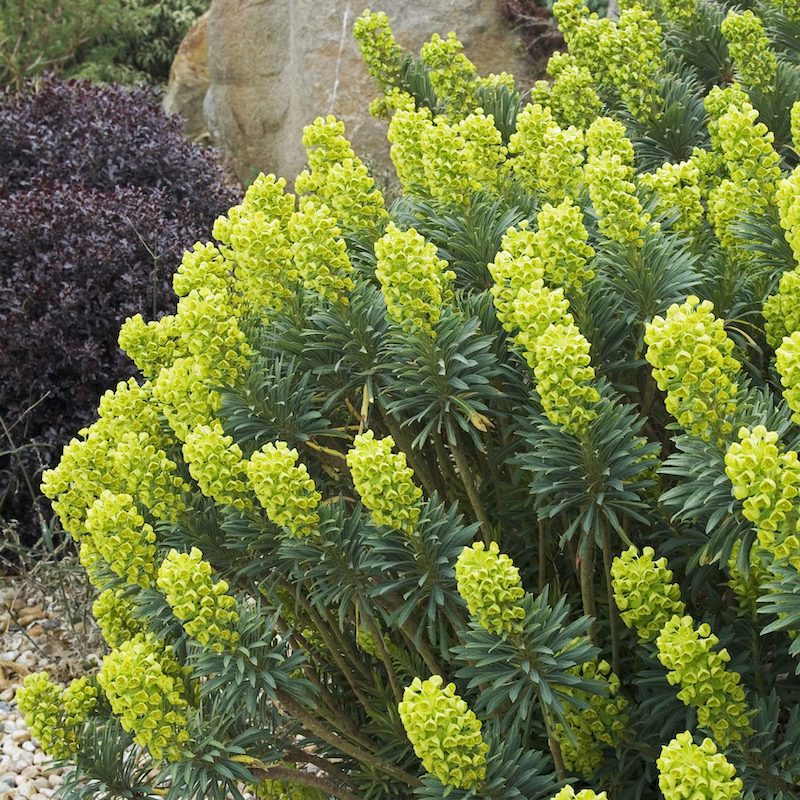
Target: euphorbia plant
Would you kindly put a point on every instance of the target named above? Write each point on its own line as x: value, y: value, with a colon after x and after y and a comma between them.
x: 492, y: 493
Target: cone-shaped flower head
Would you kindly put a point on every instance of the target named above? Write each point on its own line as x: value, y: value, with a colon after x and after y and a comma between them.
x: 572, y: 97
x: 207, y: 611
x: 210, y: 333
x: 767, y: 481
x: 787, y: 361
x: 382, y: 55
x: 562, y: 241
x: 383, y: 481
x: 452, y: 74
x: 445, y: 733
x: 338, y: 178
x: 706, y: 683
x: 215, y: 461
x: 491, y: 587
x: 677, y: 188
x: 602, y: 723
x: 405, y: 136
x: 415, y: 282
x: 560, y: 172
x: 689, y: 770
x: 527, y: 143
x: 691, y: 358
x: 565, y: 377
x: 622, y: 218
x: 516, y: 266
x: 122, y: 538
x: 782, y: 309
x: 644, y: 592
x: 113, y: 611
x: 143, y: 684
x: 787, y: 196
x: 750, y: 49
x: 320, y: 253
x: 284, y: 488
x: 55, y: 717
x: 151, y: 345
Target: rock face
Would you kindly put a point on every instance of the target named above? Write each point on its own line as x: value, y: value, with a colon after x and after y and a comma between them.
x: 188, y: 80
x: 275, y: 65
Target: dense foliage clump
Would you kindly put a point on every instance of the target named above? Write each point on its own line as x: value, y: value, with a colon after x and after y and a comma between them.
x: 100, y: 194
x: 125, y: 41
x: 491, y: 492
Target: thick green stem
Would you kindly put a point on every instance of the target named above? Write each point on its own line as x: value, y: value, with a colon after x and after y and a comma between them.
x: 386, y: 658
x: 586, y: 572
x: 613, y: 611
x: 313, y: 725
x: 472, y: 492
x: 542, y: 555
x: 306, y: 779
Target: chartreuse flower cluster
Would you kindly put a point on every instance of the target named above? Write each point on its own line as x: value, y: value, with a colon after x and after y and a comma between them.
x: 766, y: 480
x: 787, y: 197
x: 571, y: 97
x: 677, y: 188
x: 383, y: 481
x: 447, y: 160
x: 527, y: 143
x: 337, y: 177
x: 490, y: 585
x: 56, y: 717
x: 113, y: 611
x: 405, y: 137
x: 95, y: 462
x: 747, y: 584
x: 414, y: 280
x: 787, y: 362
x: 144, y: 685
x: 602, y: 723
x: 560, y: 170
x: 692, y: 362
x: 256, y: 239
x: 706, y: 683
x: 215, y: 461
x: 284, y: 489
x: 382, y: 55
x: 750, y: 49
x: 445, y: 733
x: 718, y: 102
x: 609, y: 175
x: 688, y: 770
x: 207, y: 612
x: 452, y: 74
x: 782, y: 310
x: 626, y: 55
x: 565, y: 378
x: 516, y: 266
x: 319, y: 252
x: 562, y: 242
x: 644, y: 592
x: 568, y: 793
x: 122, y: 538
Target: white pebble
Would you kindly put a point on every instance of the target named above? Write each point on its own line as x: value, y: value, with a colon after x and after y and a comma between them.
x: 29, y: 746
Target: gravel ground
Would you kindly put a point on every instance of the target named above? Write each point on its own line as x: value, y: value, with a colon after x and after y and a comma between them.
x: 35, y: 636
x: 45, y: 624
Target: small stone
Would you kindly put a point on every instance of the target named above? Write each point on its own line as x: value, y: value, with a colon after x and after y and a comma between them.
x: 20, y: 735
x: 35, y: 630
x: 41, y: 782
x: 39, y: 757
x: 30, y: 772
x: 29, y: 746
x: 55, y: 779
